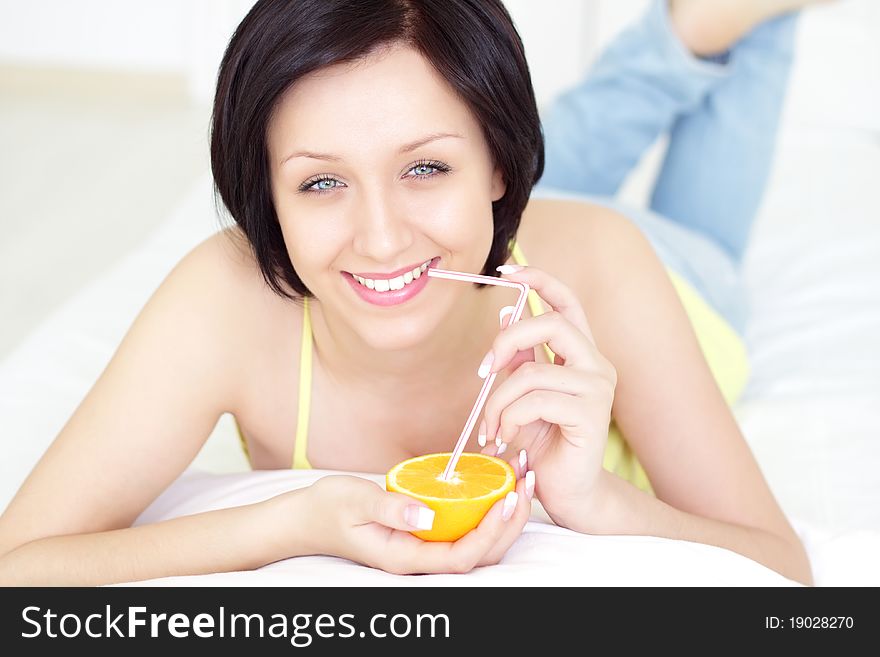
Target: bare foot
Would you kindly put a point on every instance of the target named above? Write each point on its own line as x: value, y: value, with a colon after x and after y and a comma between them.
x: 709, y: 27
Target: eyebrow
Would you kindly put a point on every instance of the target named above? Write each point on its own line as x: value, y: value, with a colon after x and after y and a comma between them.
x: 406, y: 148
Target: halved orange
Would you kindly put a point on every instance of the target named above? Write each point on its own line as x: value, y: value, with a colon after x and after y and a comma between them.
x: 460, y: 503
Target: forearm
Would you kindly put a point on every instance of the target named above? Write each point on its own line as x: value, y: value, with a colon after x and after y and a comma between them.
x: 623, y: 509
x: 239, y: 538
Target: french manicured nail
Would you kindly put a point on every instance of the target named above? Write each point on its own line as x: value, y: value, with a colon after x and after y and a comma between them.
x: 481, y: 434
x: 509, y: 505
x: 530, y: 483
x: 523, y: 459
x: 503, y: 313
x: 509, y: 269
x: 501, y: 449
x: 420, y: 517
x: 486, y: 365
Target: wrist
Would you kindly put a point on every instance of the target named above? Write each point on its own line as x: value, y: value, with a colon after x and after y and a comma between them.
x: 589, y: 514
x: 287, y: 526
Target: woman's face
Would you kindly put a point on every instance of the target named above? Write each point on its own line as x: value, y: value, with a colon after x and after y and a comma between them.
x: 377, y: 168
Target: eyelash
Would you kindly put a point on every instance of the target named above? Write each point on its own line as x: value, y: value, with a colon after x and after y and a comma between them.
x: 434, y: 164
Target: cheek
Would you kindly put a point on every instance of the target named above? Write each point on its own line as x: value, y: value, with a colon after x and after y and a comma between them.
x: 311, y: 245
x: 459, y: 218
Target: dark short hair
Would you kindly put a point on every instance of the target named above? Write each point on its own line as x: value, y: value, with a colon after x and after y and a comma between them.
x: 473, y: 45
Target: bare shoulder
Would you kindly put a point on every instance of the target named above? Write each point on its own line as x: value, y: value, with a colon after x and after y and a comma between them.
x: 205, y: 289
x: 610, y: 266
x: 219, y: 265
x: 581, y: 243
x: 226, y: 275
x: 222, y: 279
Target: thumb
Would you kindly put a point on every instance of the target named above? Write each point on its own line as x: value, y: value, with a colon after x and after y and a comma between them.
x: 400, y: 512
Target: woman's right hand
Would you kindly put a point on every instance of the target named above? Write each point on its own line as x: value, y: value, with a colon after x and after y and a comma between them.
x: 357, y: 519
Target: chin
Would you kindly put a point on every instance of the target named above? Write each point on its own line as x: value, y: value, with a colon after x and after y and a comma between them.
x: 402, y: 333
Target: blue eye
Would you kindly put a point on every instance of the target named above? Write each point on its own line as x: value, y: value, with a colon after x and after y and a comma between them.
x: 429, y: 168
x: 325, y: 183
x: 320, y: 185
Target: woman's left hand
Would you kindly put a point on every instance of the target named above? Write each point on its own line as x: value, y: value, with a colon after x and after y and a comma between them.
x: 559, y: 413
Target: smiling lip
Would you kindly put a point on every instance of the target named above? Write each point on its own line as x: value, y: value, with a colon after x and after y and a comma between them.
x: 394, y: 274
x: 392, y: 297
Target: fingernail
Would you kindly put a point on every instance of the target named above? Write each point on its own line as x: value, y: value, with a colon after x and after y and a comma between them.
x: 420, y: 517
x: 501, y: 449
x: 523, y: 459
x: 498, y: 440
x: 530, y: 483
x: 509, y: 269
x: 481, y: 434
x: 509, y: 505
x: 504, y: 312
x: 485, y: 365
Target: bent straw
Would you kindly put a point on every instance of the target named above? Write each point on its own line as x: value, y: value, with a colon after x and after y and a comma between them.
x: 487, y: 384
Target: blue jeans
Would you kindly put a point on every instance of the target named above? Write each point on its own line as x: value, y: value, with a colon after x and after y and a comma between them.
x: 721, y: 115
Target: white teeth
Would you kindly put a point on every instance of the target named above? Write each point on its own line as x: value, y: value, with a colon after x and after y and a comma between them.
x: 396, y: 283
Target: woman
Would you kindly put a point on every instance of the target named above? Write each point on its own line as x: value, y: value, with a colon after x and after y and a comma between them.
x: 355, y: 144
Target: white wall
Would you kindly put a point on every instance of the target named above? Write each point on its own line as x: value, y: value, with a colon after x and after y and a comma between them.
x: 558, y: 36
x: 118, y: 34
x: 188, y: 36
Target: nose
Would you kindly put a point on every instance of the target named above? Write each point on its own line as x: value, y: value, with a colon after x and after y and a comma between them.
x: 382, y: 230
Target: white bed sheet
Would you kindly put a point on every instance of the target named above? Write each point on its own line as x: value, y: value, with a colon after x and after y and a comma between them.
x: 811, y: 412
x: 545, y: 555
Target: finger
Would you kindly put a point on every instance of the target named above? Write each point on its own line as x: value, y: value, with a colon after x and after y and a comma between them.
x: 520, y: 357
x: 491, y: 446
x: 528, y: 377
x: 396, y: 510
x: 505, y: 314
x: 504, y: 317
x: 553, y: 292
x: 460, y: 556
x: 411, y: 556
x: 514, y: 527
x: 552, y: 328
x: 520, y: 463
x: 499, y: 527
x: 567, y: 411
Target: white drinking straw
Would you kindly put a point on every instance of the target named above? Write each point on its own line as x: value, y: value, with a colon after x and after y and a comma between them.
x: 487, y: 384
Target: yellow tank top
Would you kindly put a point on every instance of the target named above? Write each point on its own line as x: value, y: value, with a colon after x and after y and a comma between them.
x: 722, y: 347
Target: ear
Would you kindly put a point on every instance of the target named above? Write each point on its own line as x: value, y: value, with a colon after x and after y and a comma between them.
x: 499, y: 187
